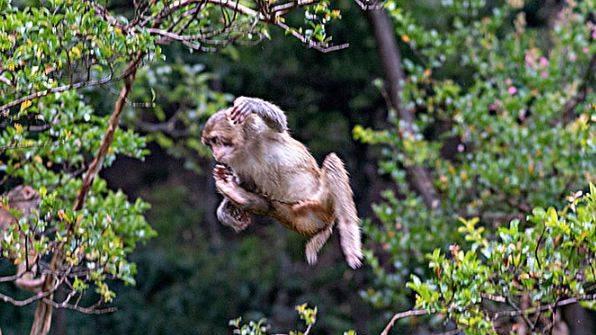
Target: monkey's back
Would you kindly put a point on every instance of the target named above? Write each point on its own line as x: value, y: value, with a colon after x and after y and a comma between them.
x: 284, y: 171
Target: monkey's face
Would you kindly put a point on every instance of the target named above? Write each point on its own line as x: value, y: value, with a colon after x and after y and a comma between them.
x: 222, y: 137
x: 23, y: 198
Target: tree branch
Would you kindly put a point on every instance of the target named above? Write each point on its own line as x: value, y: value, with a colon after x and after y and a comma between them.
x: 108, y: 138
x: 58, y: 89
x: 25, y: 302
x: 406, y: 314
x: 512, y: 313
x: 542, y: 308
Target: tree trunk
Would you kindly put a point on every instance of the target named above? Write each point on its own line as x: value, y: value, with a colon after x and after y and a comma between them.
x: 394, y: 77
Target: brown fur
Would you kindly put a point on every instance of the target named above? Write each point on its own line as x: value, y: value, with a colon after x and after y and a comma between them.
x: 270, y: 173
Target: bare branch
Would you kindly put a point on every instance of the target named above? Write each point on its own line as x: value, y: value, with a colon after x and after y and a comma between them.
x: 106, y: 142
x: 5, y: 80
x: 236, y: 7
x: 177, y: 5
x: 168, y: 36
x: 406, y: 314
x: 279, y: 10
x: 25, y: 302
x: 564, y: 302
x: 492, y: 297
x: 58, y: 89
x: 85, y: 310
x: 310, y: 43
x: 105, y: 14
x: 512, y: 313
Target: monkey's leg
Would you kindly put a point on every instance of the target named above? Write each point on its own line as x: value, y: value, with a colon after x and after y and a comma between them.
x: 241, y: 198
x: 315, y: 244
x: 273, y: 116
x: 348, y: 223
x: 312, y: 206
x: 232, y: 216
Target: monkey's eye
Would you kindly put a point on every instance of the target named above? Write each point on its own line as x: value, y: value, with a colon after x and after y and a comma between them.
x: 213, y: 141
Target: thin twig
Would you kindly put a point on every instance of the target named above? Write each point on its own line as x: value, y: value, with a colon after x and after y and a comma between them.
x: 58, y: 89
x: 532, y: 310
x: 406, y: 314
x: 307, y: 331
x: 85, y: 310
x: 25, y: 302
x: 292, y: 4
x: 492, y: 297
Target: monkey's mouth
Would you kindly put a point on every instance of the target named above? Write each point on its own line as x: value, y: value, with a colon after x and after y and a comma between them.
x: 223, y: 164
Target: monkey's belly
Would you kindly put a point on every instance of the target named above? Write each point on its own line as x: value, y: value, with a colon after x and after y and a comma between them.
x: 306, y: 223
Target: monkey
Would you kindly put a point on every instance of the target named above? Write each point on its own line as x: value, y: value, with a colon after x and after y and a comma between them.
x: 261, y: 169
x: 25, y: 200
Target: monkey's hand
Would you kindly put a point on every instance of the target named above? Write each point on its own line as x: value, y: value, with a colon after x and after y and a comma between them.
x: 224, y: 180
x: 226, y: 184
x: 273, y: 116
x: 241, y: 110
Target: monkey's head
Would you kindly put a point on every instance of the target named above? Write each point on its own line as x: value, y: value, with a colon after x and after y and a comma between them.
x: 24, y: 198
x: 223, y: 137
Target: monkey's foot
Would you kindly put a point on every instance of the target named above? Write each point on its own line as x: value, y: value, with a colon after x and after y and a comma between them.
x: 240, y: 218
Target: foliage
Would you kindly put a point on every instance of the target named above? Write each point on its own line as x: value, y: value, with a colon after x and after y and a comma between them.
x: 64, y: 44
x: 185, y: 89
x: 309, y: 315
x: 504, y: 123
x: 550, y: 260
x: 50, y: 136
x: 96, y: 239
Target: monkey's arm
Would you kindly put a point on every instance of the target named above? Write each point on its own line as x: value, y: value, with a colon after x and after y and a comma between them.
x: 273, y: 116
x: 241, y: 198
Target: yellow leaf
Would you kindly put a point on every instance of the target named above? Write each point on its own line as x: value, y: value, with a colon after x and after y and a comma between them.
x: 26, y: 104
x: 75, y: 52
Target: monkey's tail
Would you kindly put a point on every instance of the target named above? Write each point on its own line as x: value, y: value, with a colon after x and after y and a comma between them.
x: 348, y: 222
